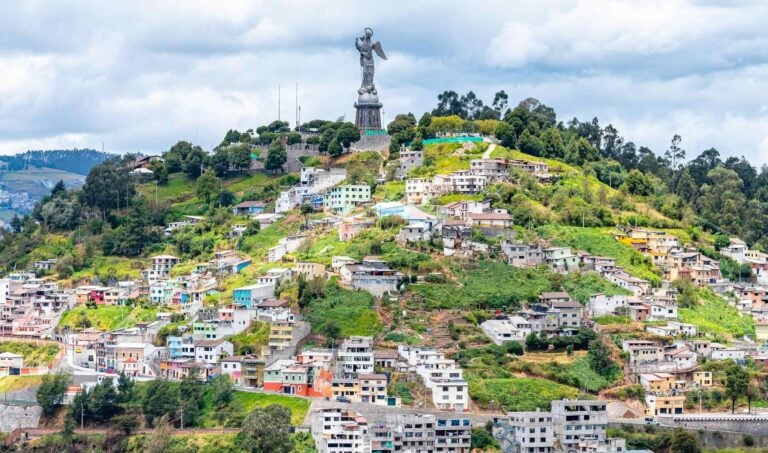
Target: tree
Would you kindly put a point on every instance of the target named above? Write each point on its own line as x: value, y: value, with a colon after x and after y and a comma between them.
x: 580, y: 151
x: 161, y: 398
x: 530, y: 144
x: 107, y: 186
x: 636, y: 183
x: 599, y: 357
x: 159, y: 172
x: 736, y: 383
x: 207, y: 185
x: 684, y: 442
x: 675, y: 154
x: 102, y: 401
x: 721, y: 241
x: 482, y: 440
x: 721, y: 201
x: 505, y: 134
x: 50, y: 394
x: 276, y: 156
x: 240, y: 157
x: 500, y: 100
x: 347, y: 134
x: 335, y: 149
x: 267, y: 430
x: 553, y: 143
x: 125, y: 388
x: 222, y: 390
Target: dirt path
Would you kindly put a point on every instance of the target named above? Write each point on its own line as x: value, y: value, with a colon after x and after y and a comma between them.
x: 487, y: 153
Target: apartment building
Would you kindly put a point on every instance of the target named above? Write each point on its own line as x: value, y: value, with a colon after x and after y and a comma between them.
x: 442, y: 376
x: 338, y: 430
x: 520, y: 254
x: 344, y: 198
x: 574, y: 419
x: 525, y: 432
x: 355, y: 356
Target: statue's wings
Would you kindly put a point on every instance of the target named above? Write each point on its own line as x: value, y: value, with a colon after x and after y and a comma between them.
x: 379, y: 50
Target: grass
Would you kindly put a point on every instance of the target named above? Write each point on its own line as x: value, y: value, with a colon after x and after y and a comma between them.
x: 16, y: 383
x: 573, y: 371
x: 607, y: 320
x: 251, y: 401
x: 258, y: 245
x: 106, y: 267
x: 250, y: 341
x: 518, y: 394
x: 108, y: 317
x: 598, y: 241
x: 351, y: 311
x: 390, y: 191
x: 34, y: 355
x: 493, y: 284
x: 715, y: 315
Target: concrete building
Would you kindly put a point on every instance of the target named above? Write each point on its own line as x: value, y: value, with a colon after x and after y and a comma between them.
x: 252, y: 295
x: 355, y: 356
x: 344, y: 198
x: 212, y: 351
x: 338, y: 430
x: 561, y: 259
x: 525, y: 432
x: 376, y: 281
x: 664, y: 405
x: 520, y: 254
x: 512, y: 328
x: 574, y: 419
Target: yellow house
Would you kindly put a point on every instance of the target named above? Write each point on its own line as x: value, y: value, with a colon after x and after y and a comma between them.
x: 664, y: 405
x: 657, y: 382
x: 280, y: 336
x: 703, y: 378
x: 761, y: 331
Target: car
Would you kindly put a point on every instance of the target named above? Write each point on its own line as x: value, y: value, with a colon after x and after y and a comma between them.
x: 84, y: 365
x: 343, y: 399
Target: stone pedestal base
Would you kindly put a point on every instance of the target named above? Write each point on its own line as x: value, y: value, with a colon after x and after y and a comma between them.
x: 368, y: 112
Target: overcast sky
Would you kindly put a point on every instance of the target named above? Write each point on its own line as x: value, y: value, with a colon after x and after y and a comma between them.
x: 140, y: 75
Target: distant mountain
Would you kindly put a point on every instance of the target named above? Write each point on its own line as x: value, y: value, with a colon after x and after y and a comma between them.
x: 77, y: 161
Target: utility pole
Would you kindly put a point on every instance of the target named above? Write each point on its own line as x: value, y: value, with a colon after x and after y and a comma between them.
x: 297, y: 105
x: 82, y: 409
x: 278, y: 103
x: 181, y: 407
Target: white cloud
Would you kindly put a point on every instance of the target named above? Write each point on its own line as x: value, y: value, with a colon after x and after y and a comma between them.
x: 142, y: 75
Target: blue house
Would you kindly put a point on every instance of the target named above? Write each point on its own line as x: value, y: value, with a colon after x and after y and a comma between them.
x: 249, y: 207
x: 252, y: 295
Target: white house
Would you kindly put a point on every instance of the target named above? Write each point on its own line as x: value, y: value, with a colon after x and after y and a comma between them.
x: 601, y: 304
x: 513, y: 328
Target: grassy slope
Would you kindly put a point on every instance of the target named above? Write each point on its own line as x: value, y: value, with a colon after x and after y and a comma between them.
x: 715, y: 315
x: 298, y: 406
x: 16, y: 383
x: 495, y: 284
x: 518, y: 394
x: 252, y: 339
x: 599, y: 241
x: 109, y: 317
x: 351, y: 311
x: 34, y: 355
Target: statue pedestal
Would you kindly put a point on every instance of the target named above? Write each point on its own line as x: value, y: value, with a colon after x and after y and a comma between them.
x: 368, y: 112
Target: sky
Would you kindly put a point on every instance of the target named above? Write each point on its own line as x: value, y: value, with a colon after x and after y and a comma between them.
x: 137, y: 76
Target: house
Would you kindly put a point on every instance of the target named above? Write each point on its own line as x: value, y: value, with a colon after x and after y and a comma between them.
x: 461, y: 209
x: 574, y: 419
x: 11, y: 360
x: 233, y: 367
x: 373, y: 388
x: 520, y: 254
x: 729, y: 353
x: 492, y: 169
x: 338, y: 261
x: 161, y: 267
x: 525, y: 432
x: 657, y: 382
x: 617, y: 276
x: 418, y: 190
x: 355, y: 356
x: 643, y: 351
x: 409, y: 159
x: 376, y: 281
x: 337, y: 430
x: 294, y: 378
x: 703, y: 379
x: 266, y: 219
x: 561, y: 259
x: 212, y: 351
x: 385, y: 358
x: 601, y: 304
x: 249, y: 208
x: 442, y: 376
x: 344, y: 198
x: 228, y: 262
x: 491, y: 219
x: 252, y: 295
x: 674, y: 329
x: 664, y: 405
x: 568, y: 313
x: 547, y: 298
x: 512, y: 328
x: 352, y: 226
x: 309, y: 270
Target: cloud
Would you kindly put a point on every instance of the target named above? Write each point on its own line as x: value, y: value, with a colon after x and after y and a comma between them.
x: 142, y: 75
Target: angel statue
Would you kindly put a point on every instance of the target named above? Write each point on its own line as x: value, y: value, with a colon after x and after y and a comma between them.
x: 366, y: 48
